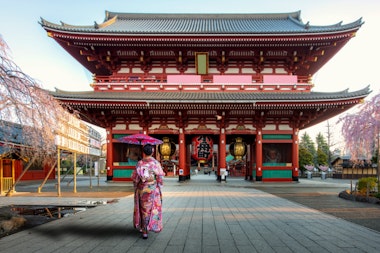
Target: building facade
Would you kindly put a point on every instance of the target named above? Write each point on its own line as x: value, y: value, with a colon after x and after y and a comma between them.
x: 223, y: 79
x: 18, y: 161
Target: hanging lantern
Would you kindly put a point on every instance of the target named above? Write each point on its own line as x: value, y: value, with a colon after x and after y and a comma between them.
x: 238, y: 148
x: 166, y: 149
x: 202, y: 148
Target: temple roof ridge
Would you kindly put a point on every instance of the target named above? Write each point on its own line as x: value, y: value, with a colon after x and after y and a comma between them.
x: 124, y: 15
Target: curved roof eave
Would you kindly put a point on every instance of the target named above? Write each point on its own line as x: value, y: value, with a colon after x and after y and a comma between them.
x: 267, y: 34
x: 223, y: 98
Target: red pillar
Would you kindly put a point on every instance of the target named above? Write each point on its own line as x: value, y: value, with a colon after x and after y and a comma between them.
x: 295, y: 154
x: 259, y: 156
x: 183, y: 171
x: 109, y: 154
x: 222, y: 152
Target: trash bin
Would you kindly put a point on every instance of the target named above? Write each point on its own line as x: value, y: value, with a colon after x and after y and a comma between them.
x: 323, y: 175
x: 309, y: 175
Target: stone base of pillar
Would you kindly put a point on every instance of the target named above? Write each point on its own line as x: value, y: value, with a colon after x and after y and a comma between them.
x: 259, y: 178
x: 295, y: 179
x: 249, y: 178
x: 109, y: 178
x: 221, y: 179
x: 183, y: 178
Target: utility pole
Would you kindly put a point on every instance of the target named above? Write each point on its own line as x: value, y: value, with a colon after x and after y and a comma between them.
x: 329, y: 140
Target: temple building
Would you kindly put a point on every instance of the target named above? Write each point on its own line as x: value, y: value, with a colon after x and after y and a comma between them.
x: 211, y: 85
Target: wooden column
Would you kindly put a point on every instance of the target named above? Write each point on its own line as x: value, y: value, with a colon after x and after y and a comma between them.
x: 295, y: 161
x: 1, y: 176
x: 75, y: 172
x: 13, y: 175
x: 259, y: 155
x: 59, y: 173
x: 109, y: 160
x: 183, y: 171
x: 222, y: 152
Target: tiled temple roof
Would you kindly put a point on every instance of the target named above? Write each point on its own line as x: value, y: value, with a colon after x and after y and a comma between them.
x: 209, y: 97
x: 206, y: 24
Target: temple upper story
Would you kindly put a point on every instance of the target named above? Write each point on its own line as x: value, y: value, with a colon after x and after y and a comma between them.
x: 206, y: 52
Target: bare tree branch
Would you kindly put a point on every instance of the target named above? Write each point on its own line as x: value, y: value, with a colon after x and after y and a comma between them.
x: 24, y: 102
x: 360, y: 130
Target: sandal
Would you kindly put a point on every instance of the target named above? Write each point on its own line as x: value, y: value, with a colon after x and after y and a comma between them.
x: 145, y: 236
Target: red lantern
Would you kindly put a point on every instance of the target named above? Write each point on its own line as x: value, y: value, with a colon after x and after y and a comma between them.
x: 202, y: 148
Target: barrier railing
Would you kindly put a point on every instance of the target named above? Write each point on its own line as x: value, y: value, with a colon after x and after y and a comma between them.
x: 206, y: 84
x: 7, y: 184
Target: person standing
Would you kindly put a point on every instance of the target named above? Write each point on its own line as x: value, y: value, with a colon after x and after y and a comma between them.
x: 148, y: 181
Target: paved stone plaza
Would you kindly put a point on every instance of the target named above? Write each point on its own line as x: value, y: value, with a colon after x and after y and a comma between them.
x: 200, y: 215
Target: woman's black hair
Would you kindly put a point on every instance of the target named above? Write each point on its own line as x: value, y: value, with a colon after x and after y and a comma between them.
x: 148, y: 149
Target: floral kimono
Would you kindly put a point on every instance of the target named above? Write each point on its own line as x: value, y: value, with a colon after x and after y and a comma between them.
x: 147, y: 180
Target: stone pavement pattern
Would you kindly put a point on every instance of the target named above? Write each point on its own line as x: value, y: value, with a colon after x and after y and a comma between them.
x: 323, y: 196
x: 199, y: 216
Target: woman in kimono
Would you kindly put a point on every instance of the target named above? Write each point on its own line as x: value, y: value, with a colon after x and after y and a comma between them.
x: 147, y: 180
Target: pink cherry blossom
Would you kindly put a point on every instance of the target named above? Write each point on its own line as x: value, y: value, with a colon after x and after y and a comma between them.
x: 309, y: 167
x: 360, y: 130
x: 323, y: 167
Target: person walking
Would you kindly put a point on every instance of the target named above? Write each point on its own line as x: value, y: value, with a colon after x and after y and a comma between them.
x: 148, y: 181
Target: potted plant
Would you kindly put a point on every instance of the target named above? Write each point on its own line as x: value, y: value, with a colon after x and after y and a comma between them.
x: 323, y: 168
x: 309, y: 169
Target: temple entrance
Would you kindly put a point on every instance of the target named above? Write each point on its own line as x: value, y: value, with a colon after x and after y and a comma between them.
x: 240, y: 155
x: 202, y: 155
x: 249, y: 156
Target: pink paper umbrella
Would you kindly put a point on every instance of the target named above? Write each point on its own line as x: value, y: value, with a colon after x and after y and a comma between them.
x: 140, y: 139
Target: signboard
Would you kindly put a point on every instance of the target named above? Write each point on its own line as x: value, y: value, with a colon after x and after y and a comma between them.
x: 201, y: 63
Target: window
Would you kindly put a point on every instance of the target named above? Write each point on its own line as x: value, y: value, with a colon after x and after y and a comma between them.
x: 277, y: 154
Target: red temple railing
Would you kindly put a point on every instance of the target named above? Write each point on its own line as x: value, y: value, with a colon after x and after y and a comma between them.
x: 205, y: 83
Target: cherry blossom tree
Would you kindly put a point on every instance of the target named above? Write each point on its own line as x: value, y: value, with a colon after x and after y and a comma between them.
x: 25, y: 103
x: 361, y: 130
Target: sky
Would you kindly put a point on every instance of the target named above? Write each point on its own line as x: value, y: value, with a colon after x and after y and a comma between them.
x: 354, y: 67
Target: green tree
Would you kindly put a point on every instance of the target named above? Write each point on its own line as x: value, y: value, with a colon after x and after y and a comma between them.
x: 323, y: 150
x: 322, y: 157
x: 305, y: 158
x: 66, y: 164
x: 322, y: 143
x: 332, y: 154
x: 308, y: 144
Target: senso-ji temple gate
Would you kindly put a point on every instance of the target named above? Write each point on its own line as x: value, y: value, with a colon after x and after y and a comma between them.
x: 207, y: 84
